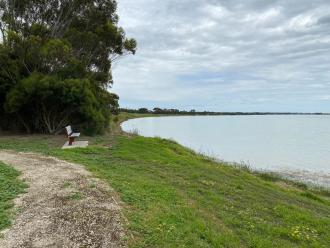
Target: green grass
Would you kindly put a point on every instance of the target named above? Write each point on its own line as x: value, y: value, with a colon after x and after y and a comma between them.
x: 115, y: 121
x: 174, y: 197
x: 76, y: 196
x: 10, y: 187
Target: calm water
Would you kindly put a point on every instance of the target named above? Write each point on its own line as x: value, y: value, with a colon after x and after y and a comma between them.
x: 297, y: 146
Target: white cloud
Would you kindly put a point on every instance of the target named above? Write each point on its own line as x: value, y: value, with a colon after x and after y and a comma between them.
x: 225, y: 55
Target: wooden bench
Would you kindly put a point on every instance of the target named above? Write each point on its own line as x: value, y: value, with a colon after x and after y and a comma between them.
x: 71, y: 135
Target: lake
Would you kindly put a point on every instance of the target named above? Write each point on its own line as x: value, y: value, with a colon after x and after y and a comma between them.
x: 297, y: 146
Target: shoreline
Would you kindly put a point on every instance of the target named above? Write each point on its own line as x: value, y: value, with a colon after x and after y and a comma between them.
x: 312, y: 179
x: 210, y: 113
x: 166, y: 188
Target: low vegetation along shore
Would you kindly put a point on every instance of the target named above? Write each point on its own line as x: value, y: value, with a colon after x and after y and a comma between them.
x: 173, y: 197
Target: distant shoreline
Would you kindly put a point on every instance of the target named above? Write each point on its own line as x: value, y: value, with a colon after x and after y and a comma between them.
x: 192, y: 113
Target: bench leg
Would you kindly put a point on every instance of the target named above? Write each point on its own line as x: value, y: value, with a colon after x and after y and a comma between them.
x: 71, y: 140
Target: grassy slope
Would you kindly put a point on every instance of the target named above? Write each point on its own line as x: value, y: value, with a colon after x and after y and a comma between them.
x: 176, y: 198
x: 10, y: 187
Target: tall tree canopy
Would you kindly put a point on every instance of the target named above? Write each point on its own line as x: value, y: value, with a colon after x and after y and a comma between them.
x: 55, y: 63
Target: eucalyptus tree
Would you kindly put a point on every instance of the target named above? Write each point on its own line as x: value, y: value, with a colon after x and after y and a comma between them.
x: 55, y: 63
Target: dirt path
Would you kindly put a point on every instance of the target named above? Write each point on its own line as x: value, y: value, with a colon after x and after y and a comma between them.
x: 64, y: 206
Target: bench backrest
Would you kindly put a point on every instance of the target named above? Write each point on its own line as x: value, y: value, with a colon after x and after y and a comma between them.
x: 68, y: 130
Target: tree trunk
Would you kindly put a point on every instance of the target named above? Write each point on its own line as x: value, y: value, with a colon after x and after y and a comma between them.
x: 26, y: 126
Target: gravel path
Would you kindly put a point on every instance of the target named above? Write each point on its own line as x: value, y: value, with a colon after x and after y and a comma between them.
x: 64, y: 206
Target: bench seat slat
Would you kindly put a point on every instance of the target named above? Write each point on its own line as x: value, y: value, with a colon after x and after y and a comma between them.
x: 74, y: 135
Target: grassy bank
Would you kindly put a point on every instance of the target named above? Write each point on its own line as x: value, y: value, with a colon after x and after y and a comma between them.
x: 10, y: 187
x: 174, y: 197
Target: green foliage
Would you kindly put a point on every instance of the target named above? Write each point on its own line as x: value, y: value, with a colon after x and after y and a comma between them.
x: 56, y: 63
x: 10, y: 187
x: 55, y: 102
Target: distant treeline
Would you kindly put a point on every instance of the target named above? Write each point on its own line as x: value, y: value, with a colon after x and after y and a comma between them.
x: 194, y: 112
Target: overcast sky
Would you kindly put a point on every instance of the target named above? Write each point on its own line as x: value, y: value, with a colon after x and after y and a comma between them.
x: 224, y: 55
